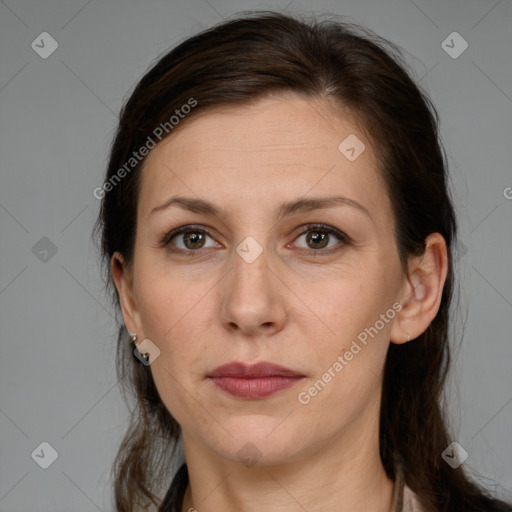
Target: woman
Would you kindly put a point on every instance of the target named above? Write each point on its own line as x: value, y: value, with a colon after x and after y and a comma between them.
x: 277, y: 225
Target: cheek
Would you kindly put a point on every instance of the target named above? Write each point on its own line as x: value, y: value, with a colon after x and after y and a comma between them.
x: 166, y: 301
x: 183, y: 355
x: 351, y: 354
x: 348, y: 367
x: 345, y: 307
x: 170, y: 311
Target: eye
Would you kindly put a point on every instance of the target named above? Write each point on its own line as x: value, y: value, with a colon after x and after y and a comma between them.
x: 318, y: 237
x: 189, y: 239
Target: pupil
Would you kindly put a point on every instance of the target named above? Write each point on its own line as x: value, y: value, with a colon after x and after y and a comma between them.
x: 193, y: 238
x: 318, y: 238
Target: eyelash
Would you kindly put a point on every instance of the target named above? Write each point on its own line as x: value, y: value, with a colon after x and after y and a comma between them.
x: 319, y: 228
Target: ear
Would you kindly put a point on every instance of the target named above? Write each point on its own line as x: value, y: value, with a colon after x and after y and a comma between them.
x: 422, y: 291
x: 122, y: 275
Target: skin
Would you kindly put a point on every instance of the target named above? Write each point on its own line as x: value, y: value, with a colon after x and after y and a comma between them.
x: 292, y: 308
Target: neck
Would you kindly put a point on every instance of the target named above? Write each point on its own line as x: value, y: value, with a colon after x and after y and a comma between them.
x: 344, y: 474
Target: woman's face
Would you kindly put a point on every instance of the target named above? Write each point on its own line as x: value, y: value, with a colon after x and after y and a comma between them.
x: 261, y: 285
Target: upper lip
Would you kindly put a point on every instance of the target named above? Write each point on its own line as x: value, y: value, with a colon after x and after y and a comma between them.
x: 262, y: 369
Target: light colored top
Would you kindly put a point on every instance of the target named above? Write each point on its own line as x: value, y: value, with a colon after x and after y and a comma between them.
x: 403, y: 498
x: 411, y: 503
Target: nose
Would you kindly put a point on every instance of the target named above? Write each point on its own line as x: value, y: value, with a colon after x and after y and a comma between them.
x: 253, y: 297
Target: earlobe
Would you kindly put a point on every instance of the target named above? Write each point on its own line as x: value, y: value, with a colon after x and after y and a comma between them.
x: 422, y: 292
x: 123, y: 281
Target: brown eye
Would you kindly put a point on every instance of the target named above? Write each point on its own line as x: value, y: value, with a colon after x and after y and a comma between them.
x: 318, y: 239
x: 193, y: 240
x: 186, y: 239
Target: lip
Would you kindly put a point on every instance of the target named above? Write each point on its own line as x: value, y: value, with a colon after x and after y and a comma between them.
x: 255, y: 381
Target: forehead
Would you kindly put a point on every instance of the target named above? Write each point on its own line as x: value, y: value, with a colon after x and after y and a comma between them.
x: 268, y: 147
x: 281, y: 123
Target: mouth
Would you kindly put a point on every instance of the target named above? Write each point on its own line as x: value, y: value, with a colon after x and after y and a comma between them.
x: 255, y: 381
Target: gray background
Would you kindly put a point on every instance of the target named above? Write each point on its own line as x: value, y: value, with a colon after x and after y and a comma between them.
x: 57, y: 376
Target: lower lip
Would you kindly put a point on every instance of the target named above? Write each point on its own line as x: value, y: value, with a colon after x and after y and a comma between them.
x: 254, y: 387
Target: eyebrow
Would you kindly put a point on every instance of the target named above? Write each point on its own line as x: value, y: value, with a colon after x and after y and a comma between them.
x: 302, y: 205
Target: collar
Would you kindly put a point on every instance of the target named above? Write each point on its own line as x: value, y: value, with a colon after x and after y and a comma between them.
x: 398, y: 490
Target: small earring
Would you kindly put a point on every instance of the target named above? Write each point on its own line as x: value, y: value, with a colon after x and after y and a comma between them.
x: 133, y: 340
x: 408, y: 337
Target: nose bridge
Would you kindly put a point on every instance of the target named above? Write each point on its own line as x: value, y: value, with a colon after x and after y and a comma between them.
x: 250, y: 272
x: 250, y: 299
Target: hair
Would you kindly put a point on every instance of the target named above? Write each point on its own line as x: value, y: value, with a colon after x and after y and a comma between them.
x: 235, y: 63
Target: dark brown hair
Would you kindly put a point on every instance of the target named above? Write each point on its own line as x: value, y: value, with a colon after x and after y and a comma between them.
x: 238, y: 62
